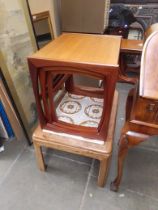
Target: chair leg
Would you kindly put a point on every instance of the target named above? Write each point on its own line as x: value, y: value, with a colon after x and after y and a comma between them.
x: 129, y: 103
x: 39, y: 157
x: 123, y: 149
x: 103, y: 169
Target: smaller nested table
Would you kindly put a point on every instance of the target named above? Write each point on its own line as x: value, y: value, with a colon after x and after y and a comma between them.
x: 101, y: 152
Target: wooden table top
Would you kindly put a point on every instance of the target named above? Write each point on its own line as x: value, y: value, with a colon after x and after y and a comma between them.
x: 82, y: 48
x: 129, y: 45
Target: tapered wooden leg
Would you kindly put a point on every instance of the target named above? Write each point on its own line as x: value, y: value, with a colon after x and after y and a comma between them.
x: 123, y: 149
x: 103, y: 169
x: 39, y: 157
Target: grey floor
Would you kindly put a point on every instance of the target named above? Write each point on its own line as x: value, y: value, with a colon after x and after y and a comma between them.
x: 70, y: 181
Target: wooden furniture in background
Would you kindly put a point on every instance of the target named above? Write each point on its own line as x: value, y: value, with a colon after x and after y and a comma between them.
x: 43, y: 26
x: 141, y: 106
x: 94, y: 56
x: 128, y: 47
x: 133, y: 47
x: 88, y: 16
x: 11, y: 114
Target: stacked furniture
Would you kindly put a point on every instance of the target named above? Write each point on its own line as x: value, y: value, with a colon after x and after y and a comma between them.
x: 74, y: 118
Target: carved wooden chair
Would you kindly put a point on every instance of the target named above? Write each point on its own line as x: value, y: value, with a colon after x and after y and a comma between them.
x: 74, y: 118
x: 141, y: 106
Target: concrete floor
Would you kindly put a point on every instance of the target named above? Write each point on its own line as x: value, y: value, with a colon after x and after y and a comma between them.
x: 70, y: 180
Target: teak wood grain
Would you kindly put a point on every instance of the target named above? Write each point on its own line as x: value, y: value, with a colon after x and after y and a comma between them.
x: 82, y: 48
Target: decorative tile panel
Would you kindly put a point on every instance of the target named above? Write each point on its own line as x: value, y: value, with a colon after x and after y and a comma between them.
x: 80, y: 110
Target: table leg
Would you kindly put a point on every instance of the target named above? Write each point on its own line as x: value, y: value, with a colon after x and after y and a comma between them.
x: 103, y: 170
x: 39, y: 157
x: 123, y: 149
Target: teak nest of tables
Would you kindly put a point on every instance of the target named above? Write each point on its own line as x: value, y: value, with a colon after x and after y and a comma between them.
x: 52, y: 71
